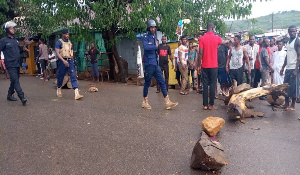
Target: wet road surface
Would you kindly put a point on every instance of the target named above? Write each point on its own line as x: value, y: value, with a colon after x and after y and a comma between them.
x: 108, y: 132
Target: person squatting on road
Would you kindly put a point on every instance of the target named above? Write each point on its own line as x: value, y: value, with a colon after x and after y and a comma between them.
x: 152, y: 68
x: 292, y: 63
x: 64, y: 52
x: 11, y: 50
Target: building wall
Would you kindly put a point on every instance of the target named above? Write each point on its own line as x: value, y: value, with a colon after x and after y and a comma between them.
x: 128, y: 49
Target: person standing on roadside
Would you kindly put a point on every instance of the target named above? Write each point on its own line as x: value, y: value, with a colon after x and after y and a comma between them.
x: 273, y: 49
x: 11, y: 51
x: 223, y: 76
x: 192, y: 57
x: 178, y: 74
x: 164, y: 51
x: 92, y: 55
x: 152, y: 69
x: 183, y: 67
x: 64, y: 52
x: 279, y: 57
x: 208, y: 65
x: 266, y: 66
x: 291, y: 64
x: 252, y: 51
x: 234, y: 65
x: 3, y: 65
x: 43, y: 58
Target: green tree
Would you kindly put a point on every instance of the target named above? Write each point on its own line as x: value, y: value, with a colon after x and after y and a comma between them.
x: 124, y: 18
x: 8, y: 10
x: 256, y: 31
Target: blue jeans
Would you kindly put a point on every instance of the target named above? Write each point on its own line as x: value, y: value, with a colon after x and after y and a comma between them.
x: 94, y: 67
x: 150, y: 71
x: 62, y: 70
x: 14, y: 75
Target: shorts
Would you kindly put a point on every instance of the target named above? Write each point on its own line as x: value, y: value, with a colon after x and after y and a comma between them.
x: 43, y: 63
x: 293, y: 89
x: 237, y: 74
x: 223, y: 76
x: 3, y: 64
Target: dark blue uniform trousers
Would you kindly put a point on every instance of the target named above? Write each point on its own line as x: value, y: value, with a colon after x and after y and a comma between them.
x: 150, y: 71
x: 62, y: 70
x: 14, y: 75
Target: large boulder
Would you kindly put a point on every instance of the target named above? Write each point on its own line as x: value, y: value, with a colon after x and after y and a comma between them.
x: 208, y: 155
x: 212, y: 125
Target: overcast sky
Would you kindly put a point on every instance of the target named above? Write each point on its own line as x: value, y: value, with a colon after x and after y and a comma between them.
x: 265, y: 8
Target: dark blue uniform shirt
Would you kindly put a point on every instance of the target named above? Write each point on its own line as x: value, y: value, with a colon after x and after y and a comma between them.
x: 150, y: 49
x: 11, y: 51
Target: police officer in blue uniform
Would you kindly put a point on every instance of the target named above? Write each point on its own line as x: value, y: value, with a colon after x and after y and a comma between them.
x: 150, y: 44
x: 11, y: 50
x: 64, y: 52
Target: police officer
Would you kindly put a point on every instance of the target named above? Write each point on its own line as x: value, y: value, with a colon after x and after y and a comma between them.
x: 64, y: 52
x: 11, y: 50
x: 150, y: 44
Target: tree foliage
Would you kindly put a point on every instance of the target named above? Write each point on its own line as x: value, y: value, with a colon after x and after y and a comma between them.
x: 256, y: 31
x: 8, y: 10
x: 282, y: 20
x: 124, y: 18
x: 129, y: 17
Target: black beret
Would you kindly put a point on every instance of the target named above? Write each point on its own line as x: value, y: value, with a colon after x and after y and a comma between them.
x: 65, y: 31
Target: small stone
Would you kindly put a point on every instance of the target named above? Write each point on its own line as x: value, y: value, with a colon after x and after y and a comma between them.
x: 208, y: 155
x: 212, y: 125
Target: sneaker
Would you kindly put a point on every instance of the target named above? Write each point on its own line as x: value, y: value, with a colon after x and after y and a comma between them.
x: 263, y: 97
x: 41, y: 78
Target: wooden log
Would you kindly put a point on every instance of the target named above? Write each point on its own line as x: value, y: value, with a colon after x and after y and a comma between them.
x: 237, y: 109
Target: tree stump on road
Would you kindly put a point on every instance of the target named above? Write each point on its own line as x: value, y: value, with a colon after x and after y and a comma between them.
x: 237, y: 108
x: 208, y: 155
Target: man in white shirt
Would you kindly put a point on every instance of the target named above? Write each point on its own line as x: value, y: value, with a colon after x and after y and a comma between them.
x: 278, y: 58
x: 3, y: 65
x: 252, y: 51
x: 183, y: 67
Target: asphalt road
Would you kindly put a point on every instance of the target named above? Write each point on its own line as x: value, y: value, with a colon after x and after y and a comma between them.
x: 108, y: 133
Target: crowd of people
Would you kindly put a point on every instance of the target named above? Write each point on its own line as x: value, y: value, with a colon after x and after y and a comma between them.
x: 261, y: 62
x: 212, y: 60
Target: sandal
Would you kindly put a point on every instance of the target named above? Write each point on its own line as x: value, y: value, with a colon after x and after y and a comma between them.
x: 205, y: 107
x: 290, y: 109
x: 183, y: 93
x: 212, y: 108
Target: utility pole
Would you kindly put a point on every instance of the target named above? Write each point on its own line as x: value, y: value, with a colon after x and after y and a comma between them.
x: 272, y: 22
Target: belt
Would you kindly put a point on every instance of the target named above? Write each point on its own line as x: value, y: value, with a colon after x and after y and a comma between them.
x: 67, y: 59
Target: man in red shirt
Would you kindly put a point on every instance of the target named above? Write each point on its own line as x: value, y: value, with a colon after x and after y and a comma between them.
x: 208, y: 59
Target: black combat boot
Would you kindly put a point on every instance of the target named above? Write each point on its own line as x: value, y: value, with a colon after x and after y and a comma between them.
x: 23, y: 99
x: 10, y: 96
